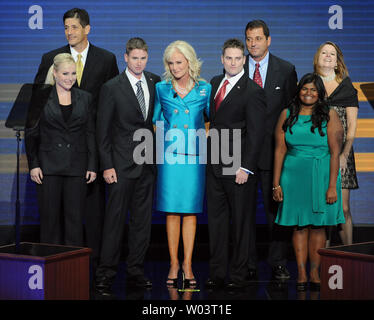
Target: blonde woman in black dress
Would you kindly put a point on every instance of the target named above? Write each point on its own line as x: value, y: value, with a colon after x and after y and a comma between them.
x: 342, y: 96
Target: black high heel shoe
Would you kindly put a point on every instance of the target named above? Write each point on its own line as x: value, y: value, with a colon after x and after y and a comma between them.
x: 188, y: 283
x: 301, y: 286
x: 314, y: 286
x: 172, y: 282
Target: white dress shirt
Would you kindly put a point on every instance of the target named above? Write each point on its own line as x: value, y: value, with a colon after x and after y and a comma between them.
x: 84, y: 53
x: 232, y: 82
x: 263, y: 67
x: 133, y: 81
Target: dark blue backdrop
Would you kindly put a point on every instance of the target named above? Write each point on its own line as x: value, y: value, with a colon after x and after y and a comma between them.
x: 297, y: 28
x: 30, y: 28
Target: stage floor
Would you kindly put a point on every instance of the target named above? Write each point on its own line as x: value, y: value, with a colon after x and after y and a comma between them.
x: 263, y: 289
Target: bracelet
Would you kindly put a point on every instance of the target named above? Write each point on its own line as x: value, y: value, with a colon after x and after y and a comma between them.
x: 275, y: 188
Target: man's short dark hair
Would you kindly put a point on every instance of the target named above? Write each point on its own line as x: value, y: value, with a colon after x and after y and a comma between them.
x: 136, y: 43
x: 254, y: 24
x: 232, y: 43
x: 80, y: 14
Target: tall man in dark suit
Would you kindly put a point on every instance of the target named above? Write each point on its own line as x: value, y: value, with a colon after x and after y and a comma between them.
x: 279, y: 80
x: 237, y: 108
x: 125, y: 106
x: 97, y: 66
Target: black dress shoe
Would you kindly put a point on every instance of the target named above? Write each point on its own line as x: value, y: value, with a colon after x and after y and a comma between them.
x: 139, y: 281
x: 231, y: 285
x: 214, y: 283
x: 252, y: 275
x: 103, y: 288
x: 280, y: 273
x: 106, y: 293
x: 103, y: 283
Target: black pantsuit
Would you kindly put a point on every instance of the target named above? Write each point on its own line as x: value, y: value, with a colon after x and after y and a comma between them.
x: 71, y: 193
x: 100, y: 66
x: 94, y: 217
x: 64, y: 150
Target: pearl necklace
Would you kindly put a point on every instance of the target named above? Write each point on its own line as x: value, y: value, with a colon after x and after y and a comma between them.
x: 183, y: 91
x: 328, y: 78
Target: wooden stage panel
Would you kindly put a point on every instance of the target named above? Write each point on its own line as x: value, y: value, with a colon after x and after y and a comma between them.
x: 347, y: 272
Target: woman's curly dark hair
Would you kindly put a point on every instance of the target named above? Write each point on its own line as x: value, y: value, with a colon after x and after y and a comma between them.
x: 320, y: 111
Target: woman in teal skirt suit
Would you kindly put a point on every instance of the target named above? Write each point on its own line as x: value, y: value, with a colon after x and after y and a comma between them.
x: 181, y: 101
x: 307, y: 181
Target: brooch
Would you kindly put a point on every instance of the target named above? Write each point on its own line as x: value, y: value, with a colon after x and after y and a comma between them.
x: 203, y: 92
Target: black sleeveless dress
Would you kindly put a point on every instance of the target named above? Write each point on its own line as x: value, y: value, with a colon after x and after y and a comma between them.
x: 345, y: 95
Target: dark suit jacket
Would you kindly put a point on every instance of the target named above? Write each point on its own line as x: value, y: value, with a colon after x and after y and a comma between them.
x: 280, y: 88
x: 120, y: 116
x: 100, y: 66
x: 243, y: 108
x: 59, y: 147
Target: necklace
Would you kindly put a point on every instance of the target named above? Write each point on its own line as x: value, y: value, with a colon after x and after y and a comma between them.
x: 328, y: 78
x: 183, y: 91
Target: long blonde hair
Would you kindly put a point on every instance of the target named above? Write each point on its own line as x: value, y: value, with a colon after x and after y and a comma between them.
x: 57, y: 61
x: 341, y: 70
x: 194, y: 64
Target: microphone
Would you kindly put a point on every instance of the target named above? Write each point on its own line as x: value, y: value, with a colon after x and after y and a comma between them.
x: 175, y: 95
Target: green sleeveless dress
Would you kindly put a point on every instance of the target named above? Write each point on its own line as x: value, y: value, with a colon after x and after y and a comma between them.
x: 305, y: 179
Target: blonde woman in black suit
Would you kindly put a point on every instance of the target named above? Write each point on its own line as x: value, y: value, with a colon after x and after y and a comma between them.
x: 99, y: 66
x: 61, y: 153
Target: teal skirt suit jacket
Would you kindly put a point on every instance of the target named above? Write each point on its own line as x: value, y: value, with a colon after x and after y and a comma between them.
x: 181, y: 147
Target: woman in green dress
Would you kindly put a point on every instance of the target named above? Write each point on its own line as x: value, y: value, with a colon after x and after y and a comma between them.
x: 307, y: 180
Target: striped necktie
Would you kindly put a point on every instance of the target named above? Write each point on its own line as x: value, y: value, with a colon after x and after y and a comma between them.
x: 140, y: 97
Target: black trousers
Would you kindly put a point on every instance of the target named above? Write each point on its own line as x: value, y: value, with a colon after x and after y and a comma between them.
x: 279, y: 236
x: 230, y: 213
x: 61, y: 202
x: 135, y: 196
x: 94, y: 217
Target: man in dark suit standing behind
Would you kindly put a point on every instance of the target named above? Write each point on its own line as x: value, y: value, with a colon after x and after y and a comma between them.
x: 125, y: 106
x: 238, y: 108
x: 95, y: 66
x: 279, y: 80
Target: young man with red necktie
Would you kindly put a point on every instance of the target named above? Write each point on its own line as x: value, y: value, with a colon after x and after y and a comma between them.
x: 237, y: 103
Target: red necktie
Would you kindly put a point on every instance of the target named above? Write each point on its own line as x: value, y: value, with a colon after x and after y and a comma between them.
x: 221, y: 94
x: 257, y: 75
